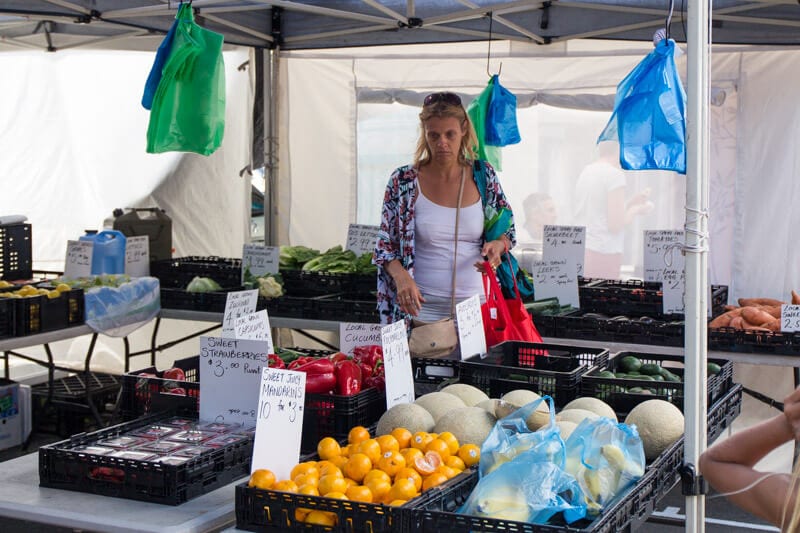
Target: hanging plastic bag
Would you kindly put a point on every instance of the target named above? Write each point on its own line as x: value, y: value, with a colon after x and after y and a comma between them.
x: 649, y: 119
x: 606, y: 458
x: 164, y: 49
x: 501, y: 117
x: 513, y: 435
x: 476, y: 110
x: 526, y: 489
x: 188, y: 113
x: 118, y: 311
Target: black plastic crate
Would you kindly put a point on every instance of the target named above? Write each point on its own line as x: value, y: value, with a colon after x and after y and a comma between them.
x: 345, y: 309
x: 616, y: 393
x: 515, y: 364
x: 754, y: 341
x: 430, y: 371
x: 143, y: 395
x: 211, y: 302
x: 594, y: 326
x: 73, y: 388
x: 61, y: 467
x: 636, y: 298
x: 178, y: 272
x: 333, y: 415
x: 626, y: 513
x: 289, y: 307
x: 16, y: 252
x: 67, y: 411
x: 8, y: 316
x: 309, y: 284
x: 269, y: 510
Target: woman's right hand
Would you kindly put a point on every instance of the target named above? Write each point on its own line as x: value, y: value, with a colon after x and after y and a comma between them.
x: 791, y: 410
x: 409, y: 298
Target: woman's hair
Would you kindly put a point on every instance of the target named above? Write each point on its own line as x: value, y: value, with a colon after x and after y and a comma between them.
x: 790, y: 521
x: 445, y: 109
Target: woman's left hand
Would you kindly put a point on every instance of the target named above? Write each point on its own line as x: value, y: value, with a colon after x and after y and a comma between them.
x: 493, y: 251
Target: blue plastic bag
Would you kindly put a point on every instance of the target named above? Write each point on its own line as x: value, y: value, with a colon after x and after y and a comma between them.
x: 157, y: 69
x: 649, y: 119
x: 526, y: 489
x: 501, y: 117
x: 477, y: 110
x: 118, y: 311
x: 606, y: 458
x: 511, y: 437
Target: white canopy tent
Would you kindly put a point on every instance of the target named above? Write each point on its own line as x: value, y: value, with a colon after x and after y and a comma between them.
x: 313, y: 113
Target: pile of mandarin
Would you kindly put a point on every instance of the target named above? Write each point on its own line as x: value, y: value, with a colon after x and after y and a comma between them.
x: 388, y: 469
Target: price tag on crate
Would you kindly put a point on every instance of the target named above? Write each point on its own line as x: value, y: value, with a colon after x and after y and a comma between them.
x: 237, y: 304
x: 137, y: 256
x: 352, y: 334
x: 230, y: 374
x: 397, y: 364
x: 556, y: 279
x: 260, y: 260
x: 471, y: 337
x: 255, y: 326
x: 361, y: 238
x: 664, y: 263
x: 790, y: 318
x: 565, y: 242
x: 281, y: 400
x: 78, y: 263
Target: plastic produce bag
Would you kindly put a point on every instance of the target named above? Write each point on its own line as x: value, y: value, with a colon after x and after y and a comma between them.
x: 501, y: 117
x: 162, y: 54
x: 188, y: 113
x: 605, y: 457
x: 649, y: 118
x: 511, y: 437
x: 526, y: 489
x: 117, y: 311
x: 476, y: 110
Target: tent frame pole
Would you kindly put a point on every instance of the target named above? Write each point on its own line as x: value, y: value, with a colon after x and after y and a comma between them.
x: 271, y: 73
x: 696, y: 250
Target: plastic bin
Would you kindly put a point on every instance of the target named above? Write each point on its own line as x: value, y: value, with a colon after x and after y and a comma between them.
x: 16, y: 252
x: 524, y: 365
x: 616, y: 391
x: 178, y: 272
x: 61, y: 466
x: 147, y: 395
x: 108, y: 251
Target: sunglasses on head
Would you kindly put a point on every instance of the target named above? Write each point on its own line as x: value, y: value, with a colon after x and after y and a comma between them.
x: 444, y: 97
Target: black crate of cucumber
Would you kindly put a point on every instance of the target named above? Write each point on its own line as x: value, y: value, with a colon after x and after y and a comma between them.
x: 551, y: 369
x: 632, y: 377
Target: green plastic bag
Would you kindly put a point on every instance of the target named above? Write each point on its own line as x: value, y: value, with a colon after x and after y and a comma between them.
x: 188, y: 111
x: 477, y: 113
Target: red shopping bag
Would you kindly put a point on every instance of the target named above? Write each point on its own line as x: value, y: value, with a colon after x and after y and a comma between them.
x: 505, y: 319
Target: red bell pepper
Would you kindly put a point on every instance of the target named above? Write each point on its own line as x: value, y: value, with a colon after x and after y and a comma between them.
x: 320, y: 375
x: 338, y: 356
x: 348, y: 378
x: 370, y: 354
x: 366, y: 370
x: 377, y: 379
x: 275, y: 362
x: 300, y: 361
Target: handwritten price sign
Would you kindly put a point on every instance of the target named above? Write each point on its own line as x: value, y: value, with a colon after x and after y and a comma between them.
x: 281, y: 400
x: 565, y: 243
x: 556, y: 279
x: 230, y: 371
x: 260, y: 260
x: 790, y: 318
x: 471, y: 337
x: 397, y: 364
x: 137, y: 256
x: 237, y: 304
x: 361, y: 238
x: 78, y: 263
x: 352, y: 334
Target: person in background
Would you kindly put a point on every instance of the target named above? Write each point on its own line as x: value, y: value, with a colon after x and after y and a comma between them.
x: 600, y: 206
x: 729, y: 468
x: 416, y: 242
x: 540, y: 211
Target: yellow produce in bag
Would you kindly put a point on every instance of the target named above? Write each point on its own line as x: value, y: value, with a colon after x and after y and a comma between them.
x: 188, y: 110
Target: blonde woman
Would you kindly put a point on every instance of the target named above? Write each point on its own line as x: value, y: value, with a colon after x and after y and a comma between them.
x: 728, y: 467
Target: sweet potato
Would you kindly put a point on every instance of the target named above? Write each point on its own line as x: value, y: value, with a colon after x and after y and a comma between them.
x: 795, y: 298
x: 773, y: 310
x: 729, y: 307
x: 723, y: 320
x: 737, y: 322
x: 775, y: 325
x: 744, y: 302
x: 756, y: 315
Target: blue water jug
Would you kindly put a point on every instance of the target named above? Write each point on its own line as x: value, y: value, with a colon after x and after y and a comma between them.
x: 108, y: 252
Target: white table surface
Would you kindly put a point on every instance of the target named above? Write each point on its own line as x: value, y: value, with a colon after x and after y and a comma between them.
x: 22, y: 498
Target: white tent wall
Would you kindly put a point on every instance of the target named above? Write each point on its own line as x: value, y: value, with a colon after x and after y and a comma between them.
x: 73, y: 135
x: 321, y: 96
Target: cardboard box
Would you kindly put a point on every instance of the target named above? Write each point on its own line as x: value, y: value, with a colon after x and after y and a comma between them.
x: 15, y: 413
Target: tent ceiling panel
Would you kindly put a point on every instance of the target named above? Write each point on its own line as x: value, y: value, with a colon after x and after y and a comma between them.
x: 314, y: 24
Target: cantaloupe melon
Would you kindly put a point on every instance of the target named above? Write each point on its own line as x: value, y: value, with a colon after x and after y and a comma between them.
x: 469, y: 394
x: 659, y: 424
x: 405, y: 415
x: 566, y: 428
x: 520, y: 397
x: 490, y: 405
x: 576, y: 416
x: 439, y: 403
x: 599, y: 407
x: 468, y: 424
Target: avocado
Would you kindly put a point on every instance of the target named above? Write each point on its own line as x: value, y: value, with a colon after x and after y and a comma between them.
x: 713, y: 368
x: 650, y: 369
x: 606, y: 374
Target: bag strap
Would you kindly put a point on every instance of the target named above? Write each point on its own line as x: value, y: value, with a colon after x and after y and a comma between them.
x: 513, y: 277
x: 455, y: 246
